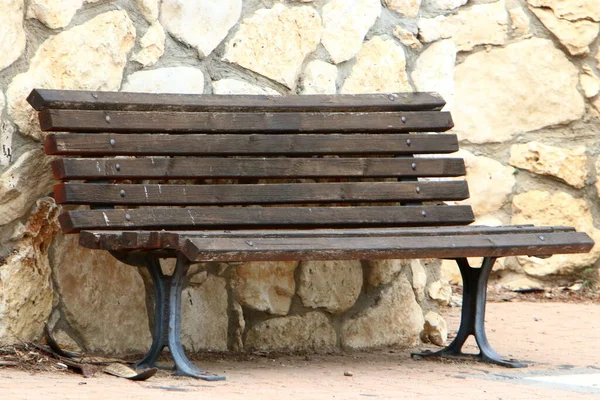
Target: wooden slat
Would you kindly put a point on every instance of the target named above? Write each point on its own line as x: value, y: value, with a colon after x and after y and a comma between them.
x: 490, y: 245
x: 264, y: 217
x: 240, y: 122
x: 182, y: 168
x: 41, y: 99
x: 296, y: 145
x: 273, y: 193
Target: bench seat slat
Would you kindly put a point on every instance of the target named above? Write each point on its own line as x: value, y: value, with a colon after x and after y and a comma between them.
x: 41, y: 99
x: 272, y: 193
x: 487, y: 245
x: 239, y: 122
x: 264, y: 217
x: 182, y: 168
x: 255, y: 144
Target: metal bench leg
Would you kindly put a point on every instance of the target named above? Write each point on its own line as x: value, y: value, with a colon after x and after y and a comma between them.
x: 167, y: 320
x: 473, y: 317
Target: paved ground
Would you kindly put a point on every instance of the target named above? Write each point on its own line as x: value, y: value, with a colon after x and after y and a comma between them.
x: 561, y: 340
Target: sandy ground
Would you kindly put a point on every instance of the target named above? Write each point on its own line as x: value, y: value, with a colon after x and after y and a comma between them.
x: 557, y: 338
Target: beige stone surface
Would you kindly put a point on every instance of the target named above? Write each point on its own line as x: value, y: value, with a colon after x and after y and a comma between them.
x: 12, y: 32
x: 520, y: 21
x: 380, y: 68
x: 589, y: 81
x: 331, y: 285
x: 345, y: 25
x: 419, y: 279
x: 25, y: 278
x: 434, y: 71
x: 512, y: 281
x: 407, y: 38
x: 102, y: 299
x: 568, y: 165
x: 440, y: 292
x: 407, y: 8
x: 90, y: 56
x: 525, y: 86
x: 166, y: 80
x: 396, y: 319
x: 202, y: 24
x: 545, y: 208
x: 236, y: 86
x: 435, y: 329
x: 21, y: 184
x: 440, y: 27
x: 274, y: 42
x: 204, y: 319
x: 571, y: 10
x: 152, y: 44
x: 575, y: 36
x: 311, y: 331
x: 444, y: 5
x: 54, y: 14
x: 7, y: 132
x: 265, y: 286
x: 149, y: 9
x: 382, y: 272
x: 319, y: 77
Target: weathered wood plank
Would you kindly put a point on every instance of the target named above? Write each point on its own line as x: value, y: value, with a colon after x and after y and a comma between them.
x: 264, y: 217
x: 182, y: 168
x: 272, y: 193
x: 490, y: 245
x: 41, y: 99
x: 240, y: 122
x: 293, y: 145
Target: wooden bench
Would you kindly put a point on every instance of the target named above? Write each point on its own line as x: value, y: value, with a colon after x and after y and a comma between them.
x: 274, y: 178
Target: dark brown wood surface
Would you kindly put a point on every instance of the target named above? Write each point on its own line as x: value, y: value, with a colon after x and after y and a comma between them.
x: 173, y: 168
x: 272, y: 193
x: 257, y: 144
x: 41, y: 99
x: 243, y: 122
x: 264, y: 217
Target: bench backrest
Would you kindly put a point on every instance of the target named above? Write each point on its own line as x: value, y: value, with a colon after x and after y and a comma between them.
x: 199, y: 162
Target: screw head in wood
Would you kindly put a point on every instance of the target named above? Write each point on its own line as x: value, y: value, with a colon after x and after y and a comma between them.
x: 112, y: 142
x: 94, y: 95
x: 122, y: 193
x: 128, y: 217
x: 413, y: 166
x: 418, y: 189
x: 424, y: 213
x: 107, y: 118
x: 542, y: 238
x: 408, y: 142
x: 403, y: 119
x: 118, y: 167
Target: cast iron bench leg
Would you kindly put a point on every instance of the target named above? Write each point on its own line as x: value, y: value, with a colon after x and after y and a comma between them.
x: 167, y: 320
x: 473, y: 317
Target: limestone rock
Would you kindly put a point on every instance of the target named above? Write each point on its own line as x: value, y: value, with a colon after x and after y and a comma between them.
x: 153, y: 45
x: 520, y: 21
x: 6, y: 136
x: 25, y: 278
x: 265, y: 286
x: 589, y: 81
x: 166, y: 80
x: 204, y: 320
x: 408, y: 8
x: 380, y: 68
x: 571, y: 10
x: 440, y: 292
x: 523, y: 87
x: 450, y: 273
x: 419, y: 279
x: 476, y: 25
x: 319, y: 78
x: 239, y: 326
x: 518, y: 282
x: 382, y: 272
x: 101, y: 299
x: 345, y: 25
x: 434, y: 71
x: 407, y: 38
x: 575, y: 36
x: 396, y: 319
x: 12, y: 32
x: 435, y: 329
x: 544, y: 208
x: 234, y: 86
x: 25, y: 181
x: 274, y: 42
x: 90, y: 56
x: 149, y: 9
x: 311, y: 331
x: 54, y: 14
x: 598, y: 58
x: 568, y: 165
x: 332, y: 285
x: 490, y: 183
x: 202, y: 24
x: 444, y: 5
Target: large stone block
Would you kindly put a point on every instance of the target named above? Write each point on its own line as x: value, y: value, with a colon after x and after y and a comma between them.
x: 407, y: 8
x: 434, y: 71
x: 235, y: 86
x: 152, y: 44
x: 12, y: 32
x: 382, y: 272
x: 571, y: 10
x: 54, y: 14
x: 149, y: 9
x: 274, y: 42
x: 525, y: 86
x: 90, y: 56
x: 319, y: 77
x: 166, y: 80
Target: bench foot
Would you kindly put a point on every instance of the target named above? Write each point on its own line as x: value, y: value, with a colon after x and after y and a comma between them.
x: 167, y: 320
x: 473, y: 318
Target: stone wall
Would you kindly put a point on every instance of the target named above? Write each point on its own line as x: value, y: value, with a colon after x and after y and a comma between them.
x: 520, y: 76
